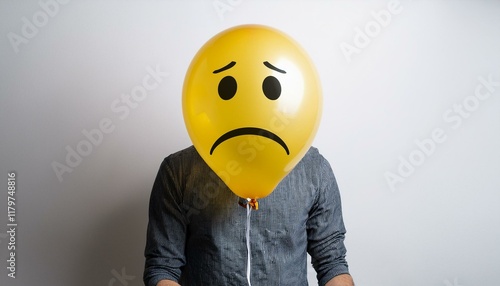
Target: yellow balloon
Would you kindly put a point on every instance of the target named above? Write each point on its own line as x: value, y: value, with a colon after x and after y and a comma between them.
x: 252, y: 104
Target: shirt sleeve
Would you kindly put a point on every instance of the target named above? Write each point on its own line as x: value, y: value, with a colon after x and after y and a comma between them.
x: 325, y: 228
x: 166, y: 231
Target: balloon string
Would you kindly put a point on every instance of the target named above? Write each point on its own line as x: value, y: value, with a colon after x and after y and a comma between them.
x: 249, y: 210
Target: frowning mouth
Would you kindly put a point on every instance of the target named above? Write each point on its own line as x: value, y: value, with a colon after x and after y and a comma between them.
x: 250, y: 131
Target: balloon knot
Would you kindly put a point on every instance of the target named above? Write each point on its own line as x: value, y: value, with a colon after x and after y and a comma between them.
x: 251, y: 202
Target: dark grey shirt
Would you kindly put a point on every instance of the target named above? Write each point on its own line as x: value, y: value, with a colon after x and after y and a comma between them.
x: 196, y: 230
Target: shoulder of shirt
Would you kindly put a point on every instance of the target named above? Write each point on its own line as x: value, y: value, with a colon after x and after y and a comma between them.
x: 313, y: 155
x: 188, y: 151
x: 313, y: 151
x: 316, y: 162
x: 188, y: 154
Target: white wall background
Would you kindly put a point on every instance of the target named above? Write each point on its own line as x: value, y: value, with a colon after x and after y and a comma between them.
x: 64, y: 69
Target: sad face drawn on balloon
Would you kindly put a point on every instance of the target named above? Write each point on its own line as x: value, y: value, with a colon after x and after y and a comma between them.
x: 252, y: 105
x: 271, y: 88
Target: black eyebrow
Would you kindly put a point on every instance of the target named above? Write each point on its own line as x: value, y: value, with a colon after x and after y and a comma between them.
x: 228, y: 66
x: 267, y: 64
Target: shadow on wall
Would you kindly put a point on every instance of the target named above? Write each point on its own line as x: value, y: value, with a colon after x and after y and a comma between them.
x: 114, y: 253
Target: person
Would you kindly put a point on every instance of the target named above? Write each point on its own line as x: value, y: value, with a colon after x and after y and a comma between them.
x: 196, y: 233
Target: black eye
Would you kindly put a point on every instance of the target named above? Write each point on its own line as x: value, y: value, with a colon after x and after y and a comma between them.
x: 271, y: 87
x: 227, y: 87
